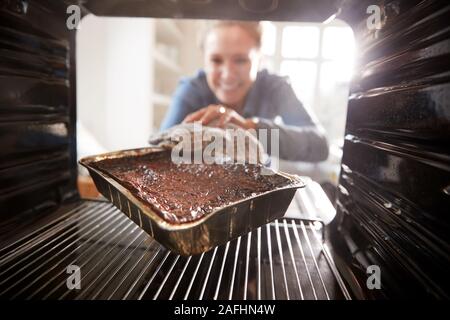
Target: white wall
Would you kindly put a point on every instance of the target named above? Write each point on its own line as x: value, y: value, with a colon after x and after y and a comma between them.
x: 114, y: 82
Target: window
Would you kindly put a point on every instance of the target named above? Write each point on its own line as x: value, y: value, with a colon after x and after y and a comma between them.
x: 318, y: 59
x: 294, y: 40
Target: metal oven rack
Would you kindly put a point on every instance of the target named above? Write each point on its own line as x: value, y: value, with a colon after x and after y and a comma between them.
x: 285, y: 259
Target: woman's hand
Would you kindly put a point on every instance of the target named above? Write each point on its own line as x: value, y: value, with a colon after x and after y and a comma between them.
x: 219, y: 116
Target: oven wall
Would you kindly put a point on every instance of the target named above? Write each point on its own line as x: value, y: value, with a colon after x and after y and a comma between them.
x: 37, y: 107
x: 394, y: 191
x: 394, y: 185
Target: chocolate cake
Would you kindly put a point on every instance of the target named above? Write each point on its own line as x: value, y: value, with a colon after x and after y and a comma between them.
x: 182, y: 193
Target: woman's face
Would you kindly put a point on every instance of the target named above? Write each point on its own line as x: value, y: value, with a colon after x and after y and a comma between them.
x: 231, y: 64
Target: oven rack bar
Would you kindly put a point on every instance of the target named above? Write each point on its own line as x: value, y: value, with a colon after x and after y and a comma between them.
x: 285, y: 259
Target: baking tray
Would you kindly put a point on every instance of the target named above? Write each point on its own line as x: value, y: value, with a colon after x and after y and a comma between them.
x: 220, y: 226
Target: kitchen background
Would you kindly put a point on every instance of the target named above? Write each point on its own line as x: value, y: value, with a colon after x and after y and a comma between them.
x: 127, y: 70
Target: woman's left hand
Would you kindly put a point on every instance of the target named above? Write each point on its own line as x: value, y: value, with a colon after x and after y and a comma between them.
x: 220, y: 116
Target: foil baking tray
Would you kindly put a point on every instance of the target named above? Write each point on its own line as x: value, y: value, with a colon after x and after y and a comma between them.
x: 220, y: 226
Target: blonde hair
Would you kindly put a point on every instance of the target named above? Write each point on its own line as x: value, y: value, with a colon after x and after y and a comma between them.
x: 253, y: 28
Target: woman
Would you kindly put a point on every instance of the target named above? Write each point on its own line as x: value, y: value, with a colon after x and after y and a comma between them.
x: 232, y: 90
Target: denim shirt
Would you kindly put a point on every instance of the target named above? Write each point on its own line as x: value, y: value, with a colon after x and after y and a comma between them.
x: 272, y: 100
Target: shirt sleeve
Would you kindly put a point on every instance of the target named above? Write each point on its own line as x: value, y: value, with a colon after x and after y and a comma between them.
x: 301, y: 137
x: 183, y: 102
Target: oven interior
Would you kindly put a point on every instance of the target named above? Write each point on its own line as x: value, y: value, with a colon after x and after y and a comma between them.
x: 393, y: 193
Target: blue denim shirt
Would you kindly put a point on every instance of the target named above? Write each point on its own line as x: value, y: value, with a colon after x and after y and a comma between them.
x: 270, y: 99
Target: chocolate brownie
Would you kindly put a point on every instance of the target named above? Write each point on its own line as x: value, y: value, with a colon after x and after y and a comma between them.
x: 182, y: 193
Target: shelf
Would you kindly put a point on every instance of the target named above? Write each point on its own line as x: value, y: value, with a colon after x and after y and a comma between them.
x: 166, y: 63
x: 166, y: 68
x: 168, y: 30
x: 160, y: 99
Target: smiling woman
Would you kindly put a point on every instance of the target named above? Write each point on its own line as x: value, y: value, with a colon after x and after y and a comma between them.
x: 232, y: 89
x: 231, y: 60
